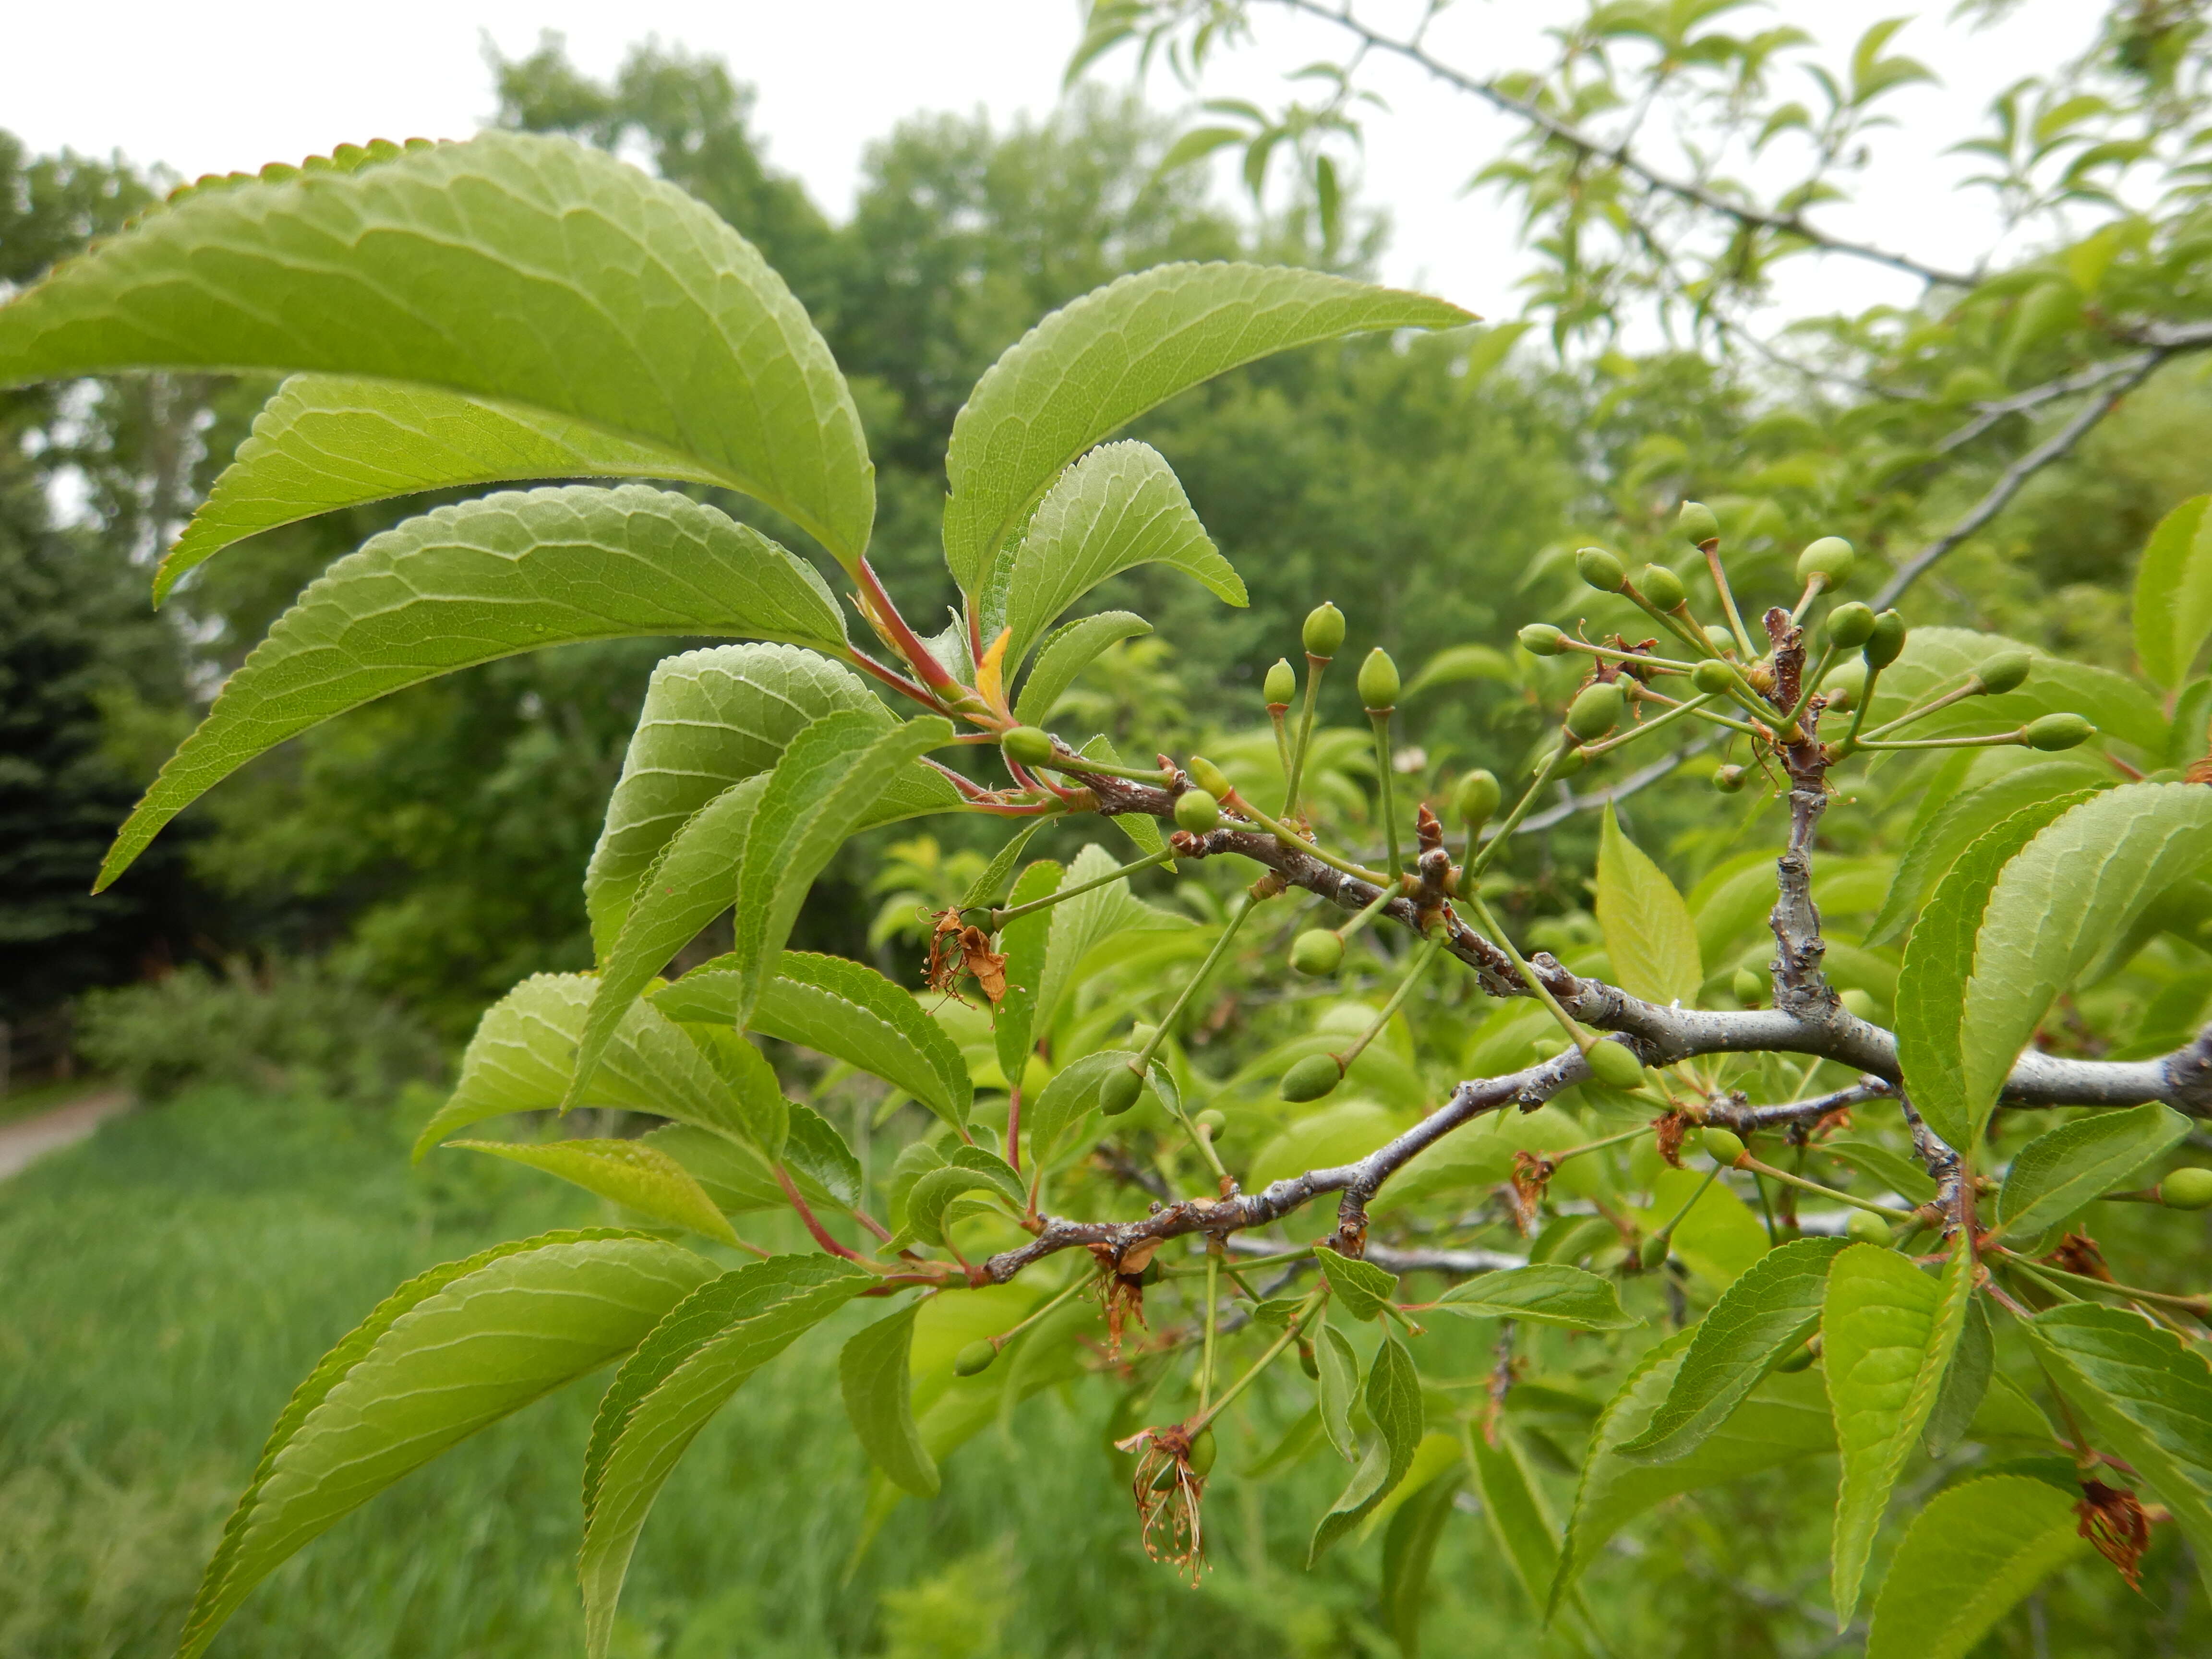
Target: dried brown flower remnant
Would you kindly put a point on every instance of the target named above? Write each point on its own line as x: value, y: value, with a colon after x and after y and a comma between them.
x: 2112, y: 1519
x: 1531, y: 1175
x: 955, y: 950
x: 2077, y: 1252
x: 1169, y: 1494
x: 1121, y: 1287
x: 1669, y: 1127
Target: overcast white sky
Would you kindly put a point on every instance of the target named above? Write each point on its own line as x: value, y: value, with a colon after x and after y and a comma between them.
x: 230, y: 84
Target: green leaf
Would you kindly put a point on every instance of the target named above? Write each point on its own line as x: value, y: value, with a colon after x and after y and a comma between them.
x: 972, y: 1170
x: 681, y: 1374
x: 2148, y: 1398
x: 487, y: 579
x: 1065, y: 653
x: 1393, y: 1402
x: 1887, y: 1331
x: 1024, y: 942
x: 1896, y: 1172
x: 815, y: 1151
x: 1931, y: 989
x: 733, y: 1176
x: 1118, y: 507
x: 1548, y: 1293
x: 1764, y: 1315
x: 2056, y: 1174
x: 873, y: 1368
x: 1064, y: 1103
x: 1785, y: 1419
x: 1098, y: 363
x: 1080, y: 925
x: 325, y: 442
x: 526, y: 269
x: 1409, y: 1548
x: 987, y: 887
x: 1939, y: 660
x: 630, y: 1172
x: 1525, y: 1534
x: 1361, y: 1289
x: 1965, y: 1383
x: 2173, y: 593
x: 1337, y: 1387
x: 1648, y: 934
x: 449, y: 1353
x: 1968, y: 1559
x: 523, y: 1052
x: 763, y: 1115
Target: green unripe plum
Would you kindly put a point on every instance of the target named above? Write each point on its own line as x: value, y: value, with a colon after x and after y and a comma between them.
x: 1119, y: 1090
x: 1324, y: 630
x: 1595, y: 711
x: 1844, y: 685
x: 1477, y: 798
x: 1312, y: 1079
x: 1570, y: 762
x: 1696, y: 523
x: 1712, y: 678
x: 1544, y: 1047
x: 1749, y: 986
x: 1719, y: 638
x: 1317, y: 951
x: 1197, y: 811
x: 1209, y: 776
x: 1885, y: 644
x: 1202, y: 1452
x: 2055, y: 731
x: 1850, y: 626
x: 1282, y: 683
x: 1613, y: 1065
x: 1800, y: 1359
x: 1662, y: 587
x: 1651, y: 1254
x: 2004, y: 671
x: 1027, y: 744
x: 1722, y: 1145
x: 1867, y: 1227
x: 1857, y: 1003
x: 1213, y: 1120
x: 1830, y: 558
x: 1601, y: 570
x: 1729, y: 779
x: 1141, y: 1034
x: 2188, y: 1188
x: 1542, y: 639
x: 1378, y: 681
x: 976, y: 1358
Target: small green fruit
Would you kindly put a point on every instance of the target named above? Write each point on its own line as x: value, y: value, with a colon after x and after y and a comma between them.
x: 1662, y: 587
x: 1750, y: 987
x: 1719, y: 638
x: 1209, y: 776
x: 1729, y: 779
x: 976, y: 1358
x: 1477, y: 798
x: 1213, y: 1120
x: 2186, y: 1188
x: 1722, y: 1145
x: 1867, y: 1227
x: 1800, y: 1359
x: 1857, y: 1003
x: 1570, y: 762
x: 1544, y: 1047
x: 1886, y: 643
x: 1613, y: 1065
x: 1282, y: 683
x: 1652, y: 1253
x: 1601, y: 570
x: 1202, y: 1451
x: 2056, y: 731
x: 1119, y: 1090
x: 1141, y: 1034
x: 1306, y: 1363
x: 1027, y: 744
x: 1378, y: 681
x: 1713, y: 678
x: 2004, y: 671
x: 1850, y: 625
x: 1542, y: 639
x: 1312, y: 1078
x: 1324, y: 630
x: 1197, y: 811
x: 1595, y: 711
x: 1843, y: 684
x: 1317, y: 951
x: 1696, y: 523
x: 1830, y: 558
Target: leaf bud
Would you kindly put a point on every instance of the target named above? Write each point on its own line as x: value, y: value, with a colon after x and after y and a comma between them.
x: 1850, y: 625
x: 1885, y: 644
x: 1209, y: 776
x: 1749, y: 985
x: 1027, y: 744
x: 1830, y: 558
x: 1867, y: 1227
x: 1213, y: 1120
x: 1662, y: 587
x: 1313, y: 1078
x: 1712, y: 677
x: 1202, y: 1451
x: 2055, y: 731
x: 1722, y: 1145
x: 1197, y: 811
x: 1613, y: 1065
x: 1324, y: 630
x: 1719, y: 638
x: 1601, y: 570
x: 2186, y: 1188
x: 1729, y: 779
x: 1119, y: 1090
x: 1317, y: 951
x: 1282, y: 683
x: 1477, y: 798
x: 1378, y: 681
x: 2004, y: 671
x: 1595, y: 711
x: 976, y: 1358
x: 1542, y: 639
x: 1696, y: 523
x: 1651, y: 1254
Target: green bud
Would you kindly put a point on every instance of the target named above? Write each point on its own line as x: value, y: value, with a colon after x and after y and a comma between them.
x: 1867, y: 1227
x: 1729, y: 779
x: 1613, y: 1065
x: 2055, y: 731
x: 1799, y: 1358
x: 1378, y: 681
x: 1712, y: 677
x: 1197, y: 811
x: 1722, y: 1145
x: 1696, y: 523
x: 1595, y: 711
x: 1719, y: 638
x: 1477, y: 798
x: 1202, y: 1451
x: 1662, y: 587
x: 1141, y: 1034
x: 1317, y: 951
x: 1282, y: 683
x: 2004, y: 671
x: 1830, y: 558
x: 1569, y: 763
x: 1213, y: 1120
x: 1027, y: 744
x: 1544, y: 1047
x: 1750, y: 987
x: 976, y: 1358
x: 1601, y: 570
x: 1651, y: 1254
x: 1850, y: 625
x: 1209, y: 776
x: 2186, y: 1188
x: 1857, y: 1003
x: 1119, y: 1090
x: 1324, y: 630
x: 1886, y: 643
x: 1542, y: 639
x: 1844, y: 685
x: 1312, y: 1078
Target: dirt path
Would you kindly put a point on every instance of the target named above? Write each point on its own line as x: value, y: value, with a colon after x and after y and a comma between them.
x: 33, y: 1138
